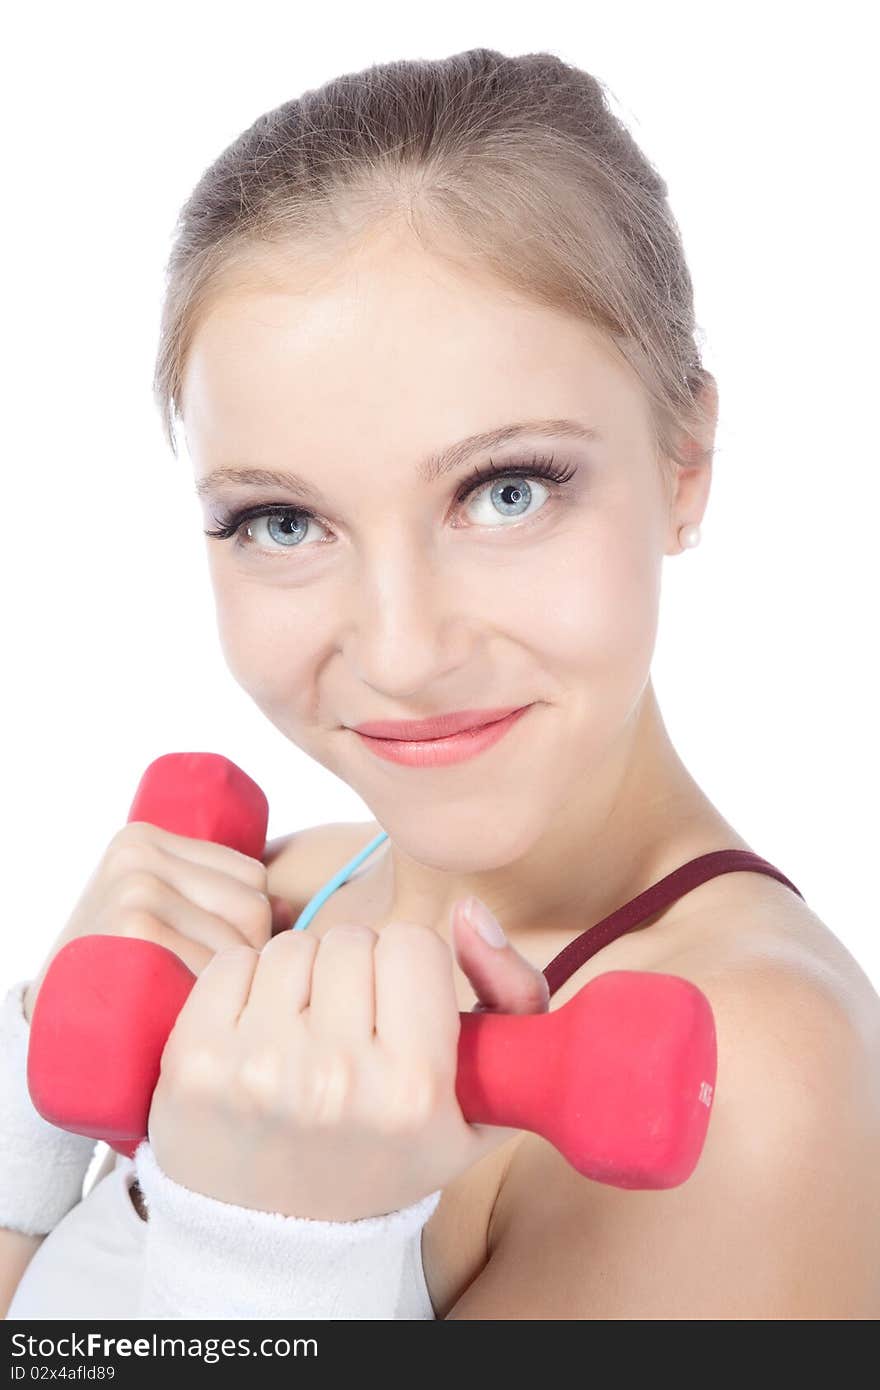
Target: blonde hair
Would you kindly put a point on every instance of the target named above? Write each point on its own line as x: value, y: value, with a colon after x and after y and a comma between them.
x: 516, y: 162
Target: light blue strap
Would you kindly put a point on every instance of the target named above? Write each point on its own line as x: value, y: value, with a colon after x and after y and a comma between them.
x: 323, y: 894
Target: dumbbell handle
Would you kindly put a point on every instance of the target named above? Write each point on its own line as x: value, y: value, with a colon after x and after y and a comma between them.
x: 620, y: 1079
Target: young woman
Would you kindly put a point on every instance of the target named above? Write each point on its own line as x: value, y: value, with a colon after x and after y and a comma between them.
x: 429, y: 331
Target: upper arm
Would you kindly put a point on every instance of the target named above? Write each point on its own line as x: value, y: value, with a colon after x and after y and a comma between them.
x: 16, y: 1252
x: 780, y: 1218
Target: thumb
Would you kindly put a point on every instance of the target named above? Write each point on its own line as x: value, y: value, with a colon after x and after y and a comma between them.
x: 502, y: 979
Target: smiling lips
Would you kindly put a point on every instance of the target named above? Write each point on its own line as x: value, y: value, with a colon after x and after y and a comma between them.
x: 452, y: 747
x: 441, y: 726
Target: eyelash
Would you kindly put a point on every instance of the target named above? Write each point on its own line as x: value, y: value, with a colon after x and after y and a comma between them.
x: 540, y: 466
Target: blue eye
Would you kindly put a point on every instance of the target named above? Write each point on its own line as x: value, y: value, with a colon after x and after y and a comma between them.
x: 509, y: 487
x: 508, y: 494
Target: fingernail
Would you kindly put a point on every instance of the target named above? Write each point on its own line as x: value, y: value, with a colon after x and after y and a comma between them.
x: 489, y: 928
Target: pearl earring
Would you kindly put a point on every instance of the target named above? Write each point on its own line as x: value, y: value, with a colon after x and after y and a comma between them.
x: 689, y: 535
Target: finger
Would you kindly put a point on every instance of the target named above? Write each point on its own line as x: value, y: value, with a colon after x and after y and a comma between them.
x: 503, y: 980
x: 145, y: 925
x: 215, y: 1001
x: 342, y: 1006
x: 281, y: 984
x: 145, y: 892
x: 416, y: 1003
x: 247, y: 909
x: 213, y: 856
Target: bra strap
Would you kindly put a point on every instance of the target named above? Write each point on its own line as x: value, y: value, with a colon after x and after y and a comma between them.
x: 660, y: 895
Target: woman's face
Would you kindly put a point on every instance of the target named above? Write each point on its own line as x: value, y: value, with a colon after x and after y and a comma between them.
x: 382, y: 594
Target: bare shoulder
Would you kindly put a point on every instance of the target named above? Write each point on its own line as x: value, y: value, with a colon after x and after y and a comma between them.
x: 781, y: 1216
x: 770, y: 935
x: 299, y: 863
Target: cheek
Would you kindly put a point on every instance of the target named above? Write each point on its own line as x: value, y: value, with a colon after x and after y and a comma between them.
x: 267, y: 638
x: 598, y: 611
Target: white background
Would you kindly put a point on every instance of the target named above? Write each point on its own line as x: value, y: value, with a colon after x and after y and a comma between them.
x: 761, y: 118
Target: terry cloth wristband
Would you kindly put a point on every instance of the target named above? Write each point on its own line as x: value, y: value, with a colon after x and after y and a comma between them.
x: 42, y: 1168
x: 212, y: 1259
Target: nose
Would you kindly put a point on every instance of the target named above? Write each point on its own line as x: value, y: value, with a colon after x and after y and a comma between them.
x: 408, y: 625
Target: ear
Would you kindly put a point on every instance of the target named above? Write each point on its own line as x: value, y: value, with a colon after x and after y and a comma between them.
x: 689, y: 491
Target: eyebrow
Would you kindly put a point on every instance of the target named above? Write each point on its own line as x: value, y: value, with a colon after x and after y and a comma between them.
x: 435, y: 465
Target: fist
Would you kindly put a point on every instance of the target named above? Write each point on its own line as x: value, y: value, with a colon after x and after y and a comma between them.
x: 315, y: 1077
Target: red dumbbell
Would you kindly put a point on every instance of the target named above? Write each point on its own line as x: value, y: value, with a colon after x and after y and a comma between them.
x: 620, y: 1079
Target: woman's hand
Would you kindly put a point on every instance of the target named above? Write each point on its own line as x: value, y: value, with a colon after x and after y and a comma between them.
x: 315, y: 1077
x: 192, y: 896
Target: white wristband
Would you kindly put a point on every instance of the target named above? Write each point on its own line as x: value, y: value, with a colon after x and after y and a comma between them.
x: 211, y: 1259
x: 42, y: 1167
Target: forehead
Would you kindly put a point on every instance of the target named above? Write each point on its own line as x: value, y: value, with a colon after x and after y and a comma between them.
x: 394, y: 346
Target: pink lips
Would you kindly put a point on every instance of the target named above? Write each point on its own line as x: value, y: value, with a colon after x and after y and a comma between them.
x: 439, y: 727
x: 438, y: 752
